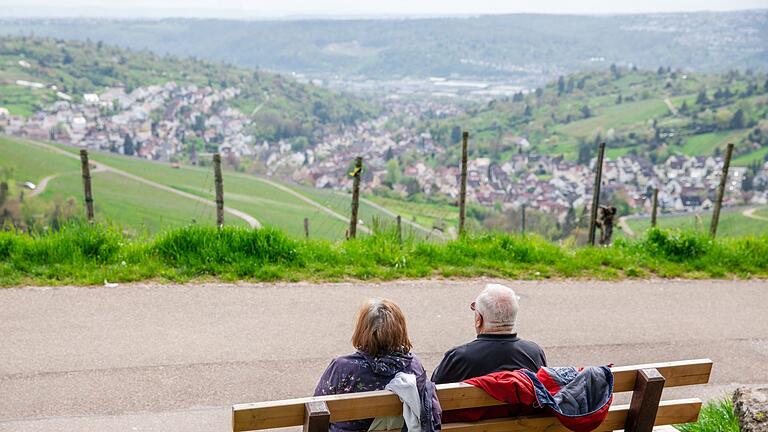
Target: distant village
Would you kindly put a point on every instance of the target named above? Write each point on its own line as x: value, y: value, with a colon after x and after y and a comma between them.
x: 150, y: 122
x: 159, y: 122
x: 552, y: 185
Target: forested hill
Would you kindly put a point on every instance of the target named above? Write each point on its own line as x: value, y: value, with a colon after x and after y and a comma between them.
x: 36, y: 72
x: 653, y: 114
x: 528, y: 48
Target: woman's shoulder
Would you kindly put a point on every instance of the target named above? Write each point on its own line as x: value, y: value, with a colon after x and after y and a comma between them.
x: 416, y: 365
x: 414, y: 358
x: 403, y: 362
x: 348, y: 360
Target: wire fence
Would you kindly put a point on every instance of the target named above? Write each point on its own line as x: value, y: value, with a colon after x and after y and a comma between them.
x: 425, y: 199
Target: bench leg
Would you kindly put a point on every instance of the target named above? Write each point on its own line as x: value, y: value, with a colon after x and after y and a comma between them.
x: 317, y: 418
x: 645, y: 401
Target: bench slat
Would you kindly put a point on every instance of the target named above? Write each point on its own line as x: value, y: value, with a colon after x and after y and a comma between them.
x: 670, y: 412
x: 354, y: 406
x: 676, y: 374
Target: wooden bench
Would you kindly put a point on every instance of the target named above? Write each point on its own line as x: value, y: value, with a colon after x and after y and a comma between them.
x: 645, y: 410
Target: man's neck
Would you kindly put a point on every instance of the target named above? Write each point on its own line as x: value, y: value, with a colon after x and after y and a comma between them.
x: 496, y: 332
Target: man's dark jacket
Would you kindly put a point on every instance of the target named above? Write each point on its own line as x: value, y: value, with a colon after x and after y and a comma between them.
x: 486, y: 354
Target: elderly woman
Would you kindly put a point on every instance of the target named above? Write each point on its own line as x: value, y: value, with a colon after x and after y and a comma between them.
x: 383, y: 355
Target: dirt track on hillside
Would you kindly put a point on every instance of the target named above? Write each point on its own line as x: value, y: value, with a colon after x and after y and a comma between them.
x: 175, y: 357
x: 750, y: 213
x: 100, y: 167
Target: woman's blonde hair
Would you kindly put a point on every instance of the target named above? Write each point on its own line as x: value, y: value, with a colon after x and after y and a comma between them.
x: 381, y: 329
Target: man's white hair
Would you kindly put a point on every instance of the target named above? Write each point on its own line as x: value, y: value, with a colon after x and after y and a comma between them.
x: 498, y: 306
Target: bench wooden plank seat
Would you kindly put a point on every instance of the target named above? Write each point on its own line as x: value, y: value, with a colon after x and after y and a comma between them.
x: 639, y: 379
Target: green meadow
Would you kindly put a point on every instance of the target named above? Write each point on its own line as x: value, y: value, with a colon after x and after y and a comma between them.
x: 705, y: 144
x: 118, y: 200
x: 428, y: 215
x: 732, y: 223
x: 268, y: 204
x: 140, y: 207
x: 616, y: 116
x: 341, y: 203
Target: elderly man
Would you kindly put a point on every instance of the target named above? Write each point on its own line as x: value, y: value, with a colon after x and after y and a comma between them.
x: 497, y: 346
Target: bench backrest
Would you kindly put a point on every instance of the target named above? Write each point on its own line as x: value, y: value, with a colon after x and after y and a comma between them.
x: 645, y: 410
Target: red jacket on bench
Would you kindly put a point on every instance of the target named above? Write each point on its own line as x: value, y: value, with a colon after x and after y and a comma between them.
x: 579, y: 398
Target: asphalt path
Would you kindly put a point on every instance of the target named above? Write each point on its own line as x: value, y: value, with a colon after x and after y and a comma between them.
x: 175, y: 357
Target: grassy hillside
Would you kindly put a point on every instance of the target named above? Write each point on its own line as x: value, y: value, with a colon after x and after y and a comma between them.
x: 341, y: 203
x: 287, y: 109
x: 424, y: 213
x: 138, y: 207
x: 255, y: 196
x: 653, y: 114
x: 125, y: 202
x: 733, y: 223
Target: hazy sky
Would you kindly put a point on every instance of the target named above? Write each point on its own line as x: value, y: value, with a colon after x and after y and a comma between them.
x: 337, y: 8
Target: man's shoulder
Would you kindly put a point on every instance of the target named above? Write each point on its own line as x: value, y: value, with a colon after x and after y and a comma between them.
x: 529, y: 344
x: 462, y: 350
x: 479, y: 346
x: 514, y: 343
x: 481, y: 341
x: 448, y: 369
x: 535, y: 352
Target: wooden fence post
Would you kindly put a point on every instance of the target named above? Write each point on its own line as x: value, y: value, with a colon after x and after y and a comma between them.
x: 721, y: 190
x: 306, y: 227
x: 522, y: 218
x: 356, y: 174
x: 463, y: 185
x: 219, y: 190
x: 596, y: 193
x: 655, y: 206
x: 3, y: 192
x: 86, y: 169
x: 399, y: 221
x: 645, y: 401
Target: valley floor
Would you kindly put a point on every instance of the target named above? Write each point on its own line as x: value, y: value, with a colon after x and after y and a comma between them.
x: 175, y: 357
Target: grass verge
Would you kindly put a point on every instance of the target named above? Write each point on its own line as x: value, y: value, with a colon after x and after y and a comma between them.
x: 717, y: 416
x: 83, y: 254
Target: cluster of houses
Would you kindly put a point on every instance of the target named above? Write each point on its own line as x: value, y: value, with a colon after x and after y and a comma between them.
x: 554, y: 185
x: 550, y: 184
x: 158, y: 120
x: 324, y: 165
